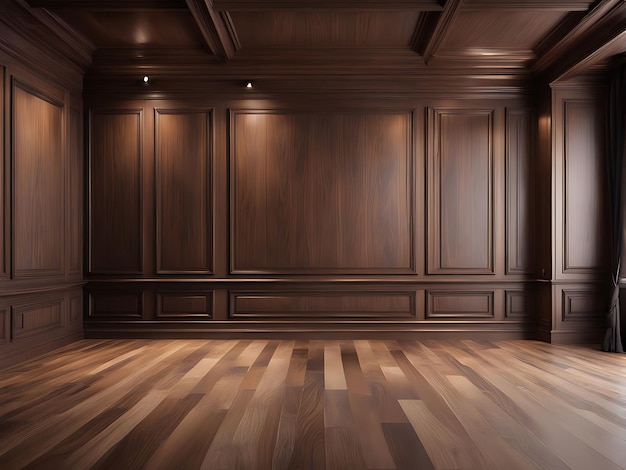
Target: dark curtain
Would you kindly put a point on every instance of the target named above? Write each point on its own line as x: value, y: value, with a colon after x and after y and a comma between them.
x: 616, y: 131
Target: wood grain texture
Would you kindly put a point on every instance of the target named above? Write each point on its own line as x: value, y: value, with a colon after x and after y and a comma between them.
x: 520, y: 194
x: 322, y: 304
x: 75, y: 194
x: 115, y: 192
x: 585, y: 224
x: 460, y: 192
x: 314, y: 404
x: 325, y: 28
x: 39, y: 161
x: 183, y: 191
x: 321, y: 193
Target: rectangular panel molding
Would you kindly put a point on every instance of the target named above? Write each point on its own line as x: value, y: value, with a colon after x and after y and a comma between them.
x: 115, y: 304
x: 585, y: 223
x: 583, y: 305
x: 322, y: 304
x: 459, y: 304
x: 460, y: 191
x: 321, y: 192
x: 38, y: 160
x: 35, y: 318
x: 184, y: 202
x: 520, y: 217
x: 116, y: 236
x: 179, y: 305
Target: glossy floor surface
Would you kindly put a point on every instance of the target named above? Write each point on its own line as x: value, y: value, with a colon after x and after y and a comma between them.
x: 261, y: 404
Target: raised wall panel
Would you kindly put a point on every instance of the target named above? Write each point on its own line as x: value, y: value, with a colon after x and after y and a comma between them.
x: 75, y: 188
x: 321, y: 192
x: 3, y: 163
x: 38, y: 129
x: 585, y: 223
x: 115, y: 304
x: 519, y: 304
x: 115, y: 192
x: 176, y: 305
x: 322, y: 304
x: 520, y: 218
x: 583, y: 305
x: 37, y: 317
x: 459, y: 304
x: 183, y: 191
x: 460, y: 192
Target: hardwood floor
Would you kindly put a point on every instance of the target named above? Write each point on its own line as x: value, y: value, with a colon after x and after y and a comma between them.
x: 261, y: 404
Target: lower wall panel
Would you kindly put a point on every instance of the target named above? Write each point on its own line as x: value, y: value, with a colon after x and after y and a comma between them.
x: 34, y: 323
x: 203, y: 309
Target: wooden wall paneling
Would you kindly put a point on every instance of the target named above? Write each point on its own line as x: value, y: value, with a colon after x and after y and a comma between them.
x: 5, y: 325
x: 322, y: 304
x: 454, y: 305
x: 32, y: 317
x: 180, y: 305
x: 521, y: 304
x: 184, y: 202
x: 460, y: 191
x: 5, y: 151
x: 579, y: 311
x: 581, y: 173
x: 75, y: 194
x: 39, y: 163
x: 322, y: 192
x: 116, y: 191
x: 111, y: 303
x: 521, y: 253
x: 75, y: 310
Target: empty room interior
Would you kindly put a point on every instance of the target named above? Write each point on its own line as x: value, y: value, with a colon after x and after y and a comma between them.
x: 256, y: 234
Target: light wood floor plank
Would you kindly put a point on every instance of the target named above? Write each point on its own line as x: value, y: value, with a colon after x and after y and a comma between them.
x: 339, y: 404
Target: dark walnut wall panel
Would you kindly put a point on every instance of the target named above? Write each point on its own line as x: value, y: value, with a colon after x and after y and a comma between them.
x: 580, y: 237
x: 521, y: 226
x: 183, y: 192
x: 460, y: 191
x: 38, y: 183
x: 41, y: 184
x: 310, y: 219
x: 321, y: 192
x: 116, y: 192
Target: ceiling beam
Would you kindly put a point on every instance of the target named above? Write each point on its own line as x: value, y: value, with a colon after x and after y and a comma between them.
x: 446, y: 18
x: 217, y: 29
x: 108, y: 5
x: 600, y: 34
x: 520, y: 5
x: 290, y: 5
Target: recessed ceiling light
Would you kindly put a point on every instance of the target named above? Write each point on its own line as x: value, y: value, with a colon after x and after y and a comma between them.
x: 249, y: 85
x: 146, y: 80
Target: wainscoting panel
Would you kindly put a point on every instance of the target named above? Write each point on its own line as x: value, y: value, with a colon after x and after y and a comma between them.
x: 520, y: 304
x: 110, y: 303
x: 116, y: 192
x: 33, y: 318
x: 321, y: 192
x: 459, y: 304
x: 183, y: 191
x: 460, y: 191
x: 181, y: 305
x: 38, y: 182
x: 322, y: 304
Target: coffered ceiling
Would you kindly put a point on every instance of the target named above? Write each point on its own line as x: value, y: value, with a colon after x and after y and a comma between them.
x: 505, y: 39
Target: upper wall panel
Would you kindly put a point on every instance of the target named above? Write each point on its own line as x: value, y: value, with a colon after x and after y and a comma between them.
x: 321, y: 193
x: 38, y: 183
